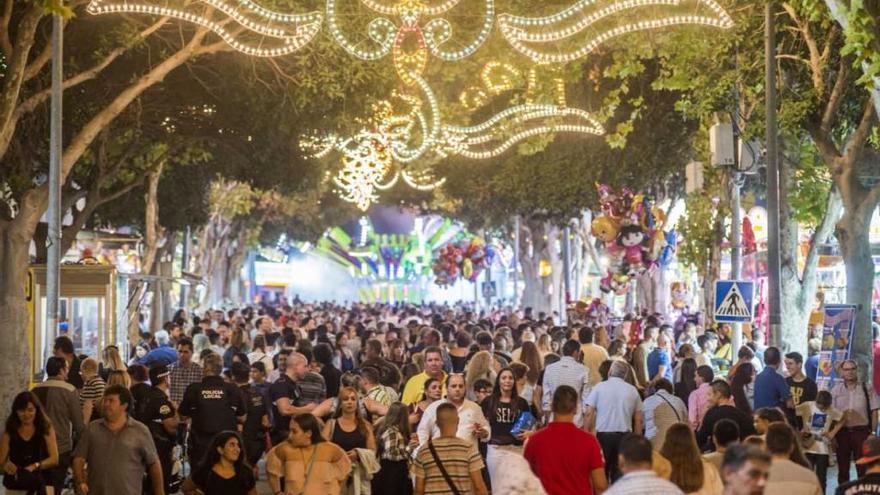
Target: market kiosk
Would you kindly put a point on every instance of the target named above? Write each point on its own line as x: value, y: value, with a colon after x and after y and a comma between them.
x: 87, y: 312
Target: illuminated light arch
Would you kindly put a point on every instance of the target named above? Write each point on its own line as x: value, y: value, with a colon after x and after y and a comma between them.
x: 522, y: 32
x: 287, y: 33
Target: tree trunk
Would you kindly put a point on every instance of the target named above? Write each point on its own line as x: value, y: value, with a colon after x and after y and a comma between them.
x: 151, y: 247
x: 15, y: 238
x: 798, y: 288
x: 538, y: 242
x: 859, y: 204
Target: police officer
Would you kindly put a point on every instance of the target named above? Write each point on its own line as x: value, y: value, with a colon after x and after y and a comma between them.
x: 214, y: 406
x: 157, y: 412
x: 257, y: 423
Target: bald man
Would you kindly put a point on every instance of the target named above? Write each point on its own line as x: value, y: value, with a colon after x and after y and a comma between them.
x: 284, y: 393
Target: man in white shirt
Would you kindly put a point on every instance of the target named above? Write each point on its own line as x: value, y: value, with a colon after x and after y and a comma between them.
x: 472, y: 424
x: 567, y: 371
x: 635, y: 461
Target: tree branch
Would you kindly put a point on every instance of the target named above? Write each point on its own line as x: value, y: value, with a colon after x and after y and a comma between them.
x: 856, y: 142
x: 834, y: 99
x: 40, y: 97
x: 5, y: 41
x: 816, y: 65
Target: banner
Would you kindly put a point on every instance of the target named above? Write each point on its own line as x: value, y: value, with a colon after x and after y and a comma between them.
x: 836, y: 343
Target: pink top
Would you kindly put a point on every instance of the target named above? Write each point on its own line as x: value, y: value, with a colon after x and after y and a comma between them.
x: 329, y: 472
x: 698, y: 403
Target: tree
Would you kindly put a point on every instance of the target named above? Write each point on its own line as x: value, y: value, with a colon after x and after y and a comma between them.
x: 821, y: 101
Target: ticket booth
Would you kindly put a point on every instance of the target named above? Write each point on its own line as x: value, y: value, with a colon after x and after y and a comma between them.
x: 87, y: 312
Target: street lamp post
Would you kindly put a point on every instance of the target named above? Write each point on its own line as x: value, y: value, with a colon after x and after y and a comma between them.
x: 773, y: 286
x: 53, y: 256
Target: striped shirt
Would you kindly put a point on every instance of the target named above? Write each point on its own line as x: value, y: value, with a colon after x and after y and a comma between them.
x: 92, y: 390
x: 379, y: 395
x: 642, y: 482
x: 312, y: 389
x: 459, y: 457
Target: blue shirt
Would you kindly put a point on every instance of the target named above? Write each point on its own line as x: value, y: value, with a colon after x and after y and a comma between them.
x: 656, y: 358
x: 164, y: 355
x: 770, y: 389
x: 811, y: 366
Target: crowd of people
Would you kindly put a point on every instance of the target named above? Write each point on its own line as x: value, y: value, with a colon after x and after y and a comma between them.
x: 403, y: 399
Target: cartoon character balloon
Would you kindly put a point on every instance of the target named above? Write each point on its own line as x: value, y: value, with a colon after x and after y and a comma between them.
x: 631, y: 227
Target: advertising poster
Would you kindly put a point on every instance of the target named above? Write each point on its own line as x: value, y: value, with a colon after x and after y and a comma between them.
x: 836, y: 342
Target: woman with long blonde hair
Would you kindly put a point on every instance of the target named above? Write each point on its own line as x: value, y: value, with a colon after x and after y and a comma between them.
x: 111, y: 360
x: 480, y: 366
x: 349, y: 430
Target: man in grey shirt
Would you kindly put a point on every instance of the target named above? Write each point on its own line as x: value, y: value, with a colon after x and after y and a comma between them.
x: 61, y: 402
x: 117, y: 450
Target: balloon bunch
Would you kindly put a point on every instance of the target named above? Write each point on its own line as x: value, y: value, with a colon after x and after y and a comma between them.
x: 466, y: 258
x: 631, y: 227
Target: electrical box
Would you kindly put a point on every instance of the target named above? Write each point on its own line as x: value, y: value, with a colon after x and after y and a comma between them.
x: 721, y: 145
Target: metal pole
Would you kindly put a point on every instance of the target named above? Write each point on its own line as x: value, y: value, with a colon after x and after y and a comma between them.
x: 516, y: 227
x: 735, y: 244
x: 184, y: 264
x: 773, y: 287
x: 566, y: 270
x: 53, y: 258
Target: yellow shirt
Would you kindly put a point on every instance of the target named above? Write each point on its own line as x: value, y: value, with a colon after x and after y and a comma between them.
x: 415, y: 387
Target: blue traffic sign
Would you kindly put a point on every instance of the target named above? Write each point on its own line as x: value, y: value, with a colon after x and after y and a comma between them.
x: 734, y: 301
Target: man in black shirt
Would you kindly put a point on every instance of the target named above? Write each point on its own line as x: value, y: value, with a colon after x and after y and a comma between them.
x: 721, y: 407
x: 157, y: 412
x: 214, y: 406
x: 870, y: 482
x: 63, y: 348
x: 803, y: 389
x: 257, y: 423
x: 285, y: 392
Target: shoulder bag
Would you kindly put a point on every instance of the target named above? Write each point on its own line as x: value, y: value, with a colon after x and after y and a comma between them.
x: 442, y: 469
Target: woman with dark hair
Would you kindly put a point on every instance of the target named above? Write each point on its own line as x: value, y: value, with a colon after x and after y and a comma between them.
x: 502, y: 408
x: 393, y: 450
x: 343, y: 358
x: 433, y: 392
x: 687, y: 382
x: 530, y: 357
x: 309, y: 464
x: 690, y: 472
x: 745, y: 374
x: 27, y: 447
x: 223, y: 471
x: 459, y: 353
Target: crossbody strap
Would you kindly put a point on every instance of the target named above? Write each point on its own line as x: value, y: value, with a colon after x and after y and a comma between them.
x: 442, y: 469
x: 678, y: 416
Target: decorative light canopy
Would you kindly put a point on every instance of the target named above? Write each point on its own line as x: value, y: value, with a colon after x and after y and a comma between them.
x: 588, y: 16
x: 266, y: 33
x: 415, y: 133
x: 376, y: 158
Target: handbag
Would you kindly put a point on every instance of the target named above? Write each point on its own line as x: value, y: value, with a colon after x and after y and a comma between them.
x: 26, y: 481
x: 442, y: 469
x: 524, y: 422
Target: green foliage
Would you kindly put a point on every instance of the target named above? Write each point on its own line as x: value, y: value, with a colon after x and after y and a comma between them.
x: 698, y: 228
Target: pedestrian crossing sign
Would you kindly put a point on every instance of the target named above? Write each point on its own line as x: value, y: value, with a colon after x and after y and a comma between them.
x: 734, y: 301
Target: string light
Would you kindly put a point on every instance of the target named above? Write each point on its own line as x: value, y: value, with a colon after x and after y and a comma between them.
x: 516, y: 29
x: 305, y: 26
